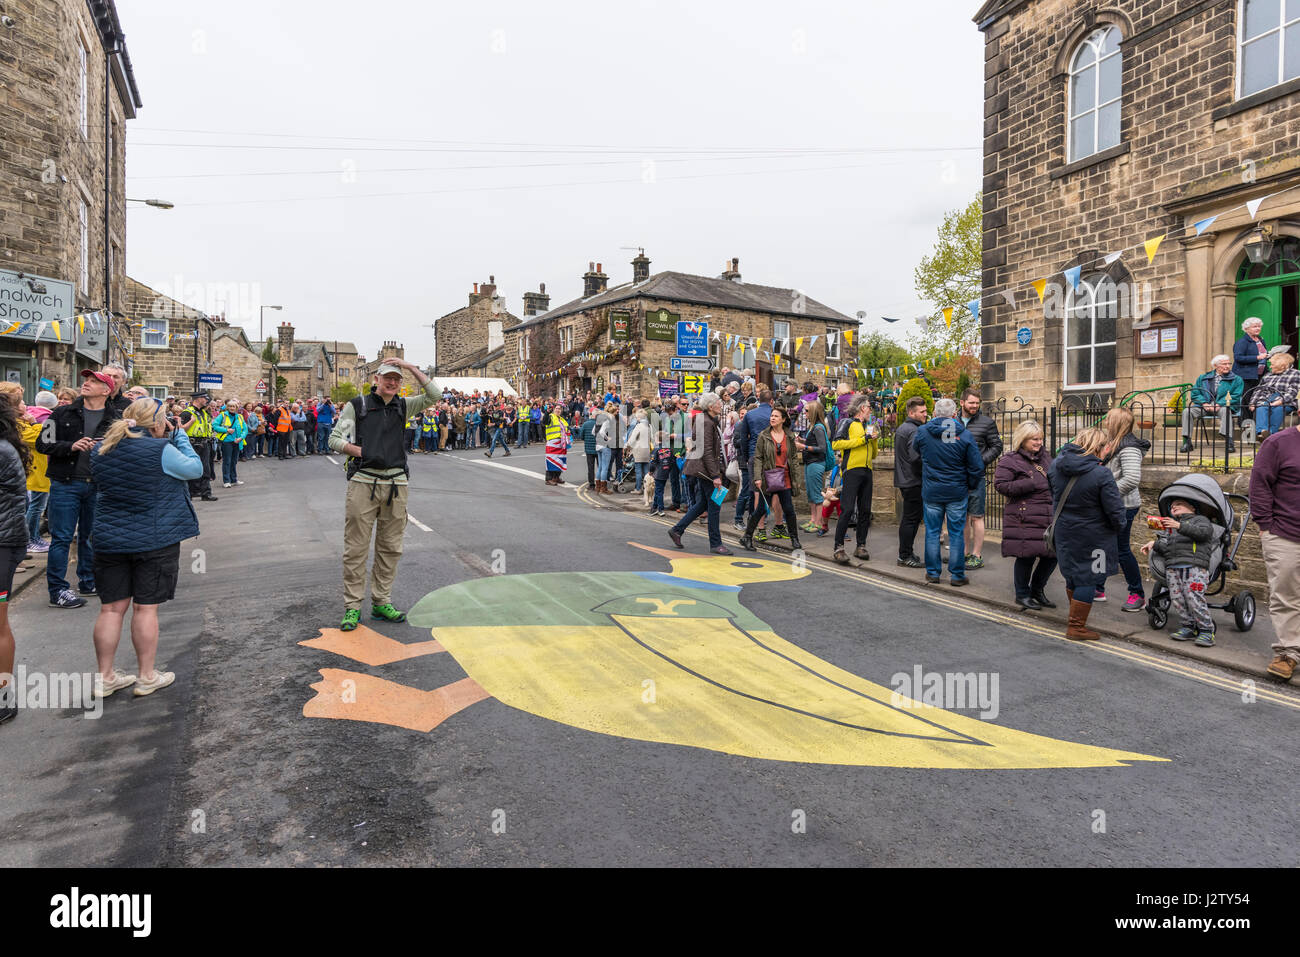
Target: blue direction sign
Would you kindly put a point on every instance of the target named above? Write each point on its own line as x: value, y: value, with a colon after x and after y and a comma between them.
x: 693, y: 339
x: 1023, y: 335
x: 209, y: 380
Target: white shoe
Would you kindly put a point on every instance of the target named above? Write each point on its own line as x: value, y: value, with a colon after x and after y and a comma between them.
x: 161, y: 679
x: 239, y: 483
x: 225, y: 485
x: 116, y: 682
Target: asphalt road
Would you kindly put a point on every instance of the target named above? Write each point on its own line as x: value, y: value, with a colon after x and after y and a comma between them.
x: 579, y: 768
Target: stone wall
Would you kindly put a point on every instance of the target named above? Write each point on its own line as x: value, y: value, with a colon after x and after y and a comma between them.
x: 170, y: 367
x: 459, y: 334
x: 240, y: 369
x: 1179, y: 125
x: 47, y: 165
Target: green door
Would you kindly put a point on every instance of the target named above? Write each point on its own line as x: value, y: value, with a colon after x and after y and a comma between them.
x: 1264, y: 303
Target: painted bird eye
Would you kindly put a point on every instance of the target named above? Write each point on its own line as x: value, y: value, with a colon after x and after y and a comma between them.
x: 746, y: 565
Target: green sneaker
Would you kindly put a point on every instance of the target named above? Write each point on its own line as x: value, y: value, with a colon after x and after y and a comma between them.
x: 780, y: 532
x: 974, y: 561
x: 386, y: 613
x: 351, y: 618
x: 760, y: 535
x: 1185, y: 633
x: 1205, y: 639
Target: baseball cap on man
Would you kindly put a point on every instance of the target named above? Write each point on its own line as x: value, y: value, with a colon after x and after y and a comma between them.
x: 103, y: 377
x: 388, y: 368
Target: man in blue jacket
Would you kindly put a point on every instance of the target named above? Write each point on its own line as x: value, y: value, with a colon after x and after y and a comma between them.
x: 745, y: 438
x: 951, y: 468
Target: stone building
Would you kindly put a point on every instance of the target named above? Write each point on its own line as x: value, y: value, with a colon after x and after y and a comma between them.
x: 468, y: 333
x: 343, y: 358
x: 159, y: 350
x: 305, y: 366
x: 633, y: 327
x: 366, y: 370
x: 1111, y: 123
x: 66, y: 92
x: 240, y: 364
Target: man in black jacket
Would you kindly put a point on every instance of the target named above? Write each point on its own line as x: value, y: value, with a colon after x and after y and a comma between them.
x: 68, y: 438
x: 984, y: 433
x: 907, y: 479
x: 117, y: 400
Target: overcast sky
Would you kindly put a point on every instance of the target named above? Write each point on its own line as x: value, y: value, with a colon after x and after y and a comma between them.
x: 419, y: 147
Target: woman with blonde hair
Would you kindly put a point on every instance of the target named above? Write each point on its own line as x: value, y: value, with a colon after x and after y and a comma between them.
x: 1090, y: 513
x: 142, y: 514
x: 1125, y: 463
x: 815, y: 456
x: 1021, y: 477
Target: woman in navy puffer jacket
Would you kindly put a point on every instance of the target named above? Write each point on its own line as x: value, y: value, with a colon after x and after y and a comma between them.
x: 1091, y: 517
x: 1021, y: 477
x: 142, y: 514
x: 15, y: 460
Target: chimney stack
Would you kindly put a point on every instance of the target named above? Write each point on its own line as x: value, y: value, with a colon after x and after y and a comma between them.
x: 594, y: 282
x: 640, y: 267
x: 538, y: 302
x: 731, y: 270
x: 286, y: 342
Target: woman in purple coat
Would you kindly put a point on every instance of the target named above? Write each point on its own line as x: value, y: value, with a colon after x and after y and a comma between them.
x: 1021, y: 477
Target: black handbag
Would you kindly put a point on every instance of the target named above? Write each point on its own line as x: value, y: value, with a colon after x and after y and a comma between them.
x: 1049, y: 536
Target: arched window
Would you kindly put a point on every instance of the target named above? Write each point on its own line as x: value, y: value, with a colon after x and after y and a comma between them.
x: 1094, y: 99
x: 1270, y: 44
x: 1091, y: 324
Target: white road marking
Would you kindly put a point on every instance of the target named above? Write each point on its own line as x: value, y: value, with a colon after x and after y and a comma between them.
x: 331, y: 460
x: 417, y: 523
x: 511, y: 468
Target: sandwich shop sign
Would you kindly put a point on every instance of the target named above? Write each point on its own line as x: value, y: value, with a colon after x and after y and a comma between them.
x: 33, y: 300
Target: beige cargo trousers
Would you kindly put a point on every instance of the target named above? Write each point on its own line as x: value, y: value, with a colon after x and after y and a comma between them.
x: 377, y: 508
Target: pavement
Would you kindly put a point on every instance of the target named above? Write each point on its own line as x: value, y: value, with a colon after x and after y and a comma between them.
x: 1246, y: 652
x: 256, y: 756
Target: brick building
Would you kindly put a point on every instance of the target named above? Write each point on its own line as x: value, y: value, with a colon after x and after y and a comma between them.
x: 469, y: 333
x: 305, y: 366
x: 240, y: 364
x: 633, y: 326
x: 1109, y: 123
x: 66, y: 92
x: 159, y: 342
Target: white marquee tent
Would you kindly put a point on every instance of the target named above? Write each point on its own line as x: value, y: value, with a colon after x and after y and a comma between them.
x: 470, y: 383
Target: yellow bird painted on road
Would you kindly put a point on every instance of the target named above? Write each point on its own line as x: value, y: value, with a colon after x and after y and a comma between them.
x: 672, y: 658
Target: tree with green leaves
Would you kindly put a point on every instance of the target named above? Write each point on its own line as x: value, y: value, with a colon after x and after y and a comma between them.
x: 950, y: 278
x: 343, y: 392
x: 269, y: 354
x: 877, y: 351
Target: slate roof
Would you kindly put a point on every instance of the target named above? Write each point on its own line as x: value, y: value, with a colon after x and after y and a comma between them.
x: 702, y: 291
x: 329, y: 345
x: 477, y: 359
x: 232, y: 332
x: 305, y: 355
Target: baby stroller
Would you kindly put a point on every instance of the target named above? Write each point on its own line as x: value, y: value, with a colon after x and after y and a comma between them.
x: 626, y: 474
x: 1204, y: 494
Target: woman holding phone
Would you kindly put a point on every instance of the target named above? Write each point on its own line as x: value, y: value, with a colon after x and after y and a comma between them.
x: 704, y: 468
x: 776, y: 474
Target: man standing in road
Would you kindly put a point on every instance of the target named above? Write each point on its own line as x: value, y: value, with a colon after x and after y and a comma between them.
x: 197, y: 423
x: 983, y: 431
x: 68, y: 436
x: 370, y: 431
x: 324, y: 425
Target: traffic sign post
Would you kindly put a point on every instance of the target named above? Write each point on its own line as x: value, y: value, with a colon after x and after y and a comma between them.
x: 693, y: 339
x: 261, y: 387
x: 692, y: 384
x: 693, y: 364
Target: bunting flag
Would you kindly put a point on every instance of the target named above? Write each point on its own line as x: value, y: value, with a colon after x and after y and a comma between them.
x: 1151, y: 245
x: 848, y: 336
x: 1009, y: 295
x: 1204, y: 224
x: 1252, y: 205
x: 1040, y: 286
x: 1072, y: 276
x: 813, y: 341
x: 1112, y: 257
x: 947, y: 316
x: 798, y: 343
x: 758, y: 344
x: 974, y: 307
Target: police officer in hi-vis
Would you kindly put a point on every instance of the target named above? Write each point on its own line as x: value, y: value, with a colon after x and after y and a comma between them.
x: 197, y: 423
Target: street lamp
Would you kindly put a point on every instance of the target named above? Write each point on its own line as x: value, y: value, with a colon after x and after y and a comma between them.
x: 1259, y: 244
x: 261, y: 315
x: 156, y: 203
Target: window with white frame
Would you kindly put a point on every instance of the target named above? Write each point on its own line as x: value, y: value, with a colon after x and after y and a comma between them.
x: 780, y: 335
x: 157, y: 391
x: 83, y: 226
x: 1096, y: 74
x: 153, y: 334
x: 1269, y: 44
x: 566, y: 338
x: 1091, y: 324
x: 521, y: 348
x: 83, y: 86
x: 832, y: 343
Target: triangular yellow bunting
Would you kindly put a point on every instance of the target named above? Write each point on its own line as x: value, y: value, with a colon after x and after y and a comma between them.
x: 1151, y: 245
x: 1040, y: 287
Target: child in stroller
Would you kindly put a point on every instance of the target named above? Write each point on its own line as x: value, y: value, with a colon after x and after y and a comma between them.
x: 1192, y: 555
